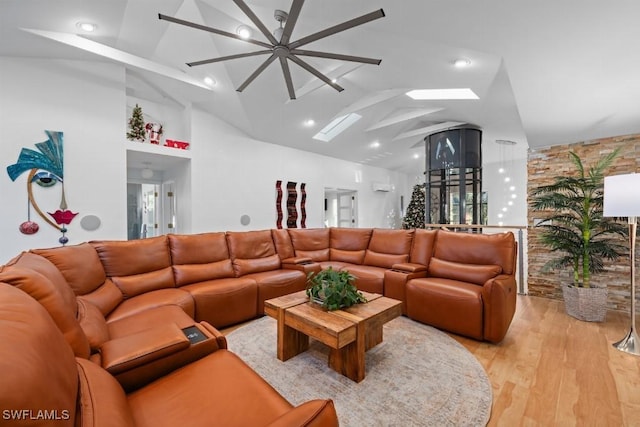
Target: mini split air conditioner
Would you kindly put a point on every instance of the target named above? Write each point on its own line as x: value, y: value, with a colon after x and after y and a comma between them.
x: 380, y: 186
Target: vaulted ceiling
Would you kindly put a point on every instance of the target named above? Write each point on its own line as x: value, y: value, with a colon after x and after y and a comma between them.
x: 545, y: 72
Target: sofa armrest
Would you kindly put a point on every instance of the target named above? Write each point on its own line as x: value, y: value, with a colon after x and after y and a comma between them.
x: 499, y: 306
x: 409, y: 267
x: 215, y: 334
x: 304, y: 264
x: 131, y: 351
x: 314, y: 413
x: 395, y: 281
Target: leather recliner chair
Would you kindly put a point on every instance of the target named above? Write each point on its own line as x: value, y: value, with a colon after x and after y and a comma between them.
x: 43, y: 384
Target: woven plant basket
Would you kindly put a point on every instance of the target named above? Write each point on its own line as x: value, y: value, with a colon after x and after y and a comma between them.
x: 588, y: 304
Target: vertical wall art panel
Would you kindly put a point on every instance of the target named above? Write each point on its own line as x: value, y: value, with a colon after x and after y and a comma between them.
x: 292, y: 211
x: 279, y: 204
x: 303, y: 208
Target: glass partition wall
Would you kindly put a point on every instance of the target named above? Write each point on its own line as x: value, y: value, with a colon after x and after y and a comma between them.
x: 454, y: 177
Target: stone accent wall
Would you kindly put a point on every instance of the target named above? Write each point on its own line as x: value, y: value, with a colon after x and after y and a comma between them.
x: 542, y: 166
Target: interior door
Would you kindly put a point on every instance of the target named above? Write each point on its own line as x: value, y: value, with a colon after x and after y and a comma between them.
x: 347, y: 209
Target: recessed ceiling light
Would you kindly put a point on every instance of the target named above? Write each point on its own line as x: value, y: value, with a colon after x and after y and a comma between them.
x: 416, y: 156
x: 309, y: 122
x: 374, y: 144
x: 87, y: 26
x: 334, y: 80
x: 461, y: 63
x: 435, y: 94
x: 244, y: 32
x: 209, y: 81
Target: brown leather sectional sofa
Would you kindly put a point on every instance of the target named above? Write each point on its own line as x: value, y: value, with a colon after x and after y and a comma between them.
x: 125, y: 305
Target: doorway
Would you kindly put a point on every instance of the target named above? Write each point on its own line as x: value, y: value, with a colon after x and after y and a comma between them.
x: 340, y: 208
x: 156, y: 185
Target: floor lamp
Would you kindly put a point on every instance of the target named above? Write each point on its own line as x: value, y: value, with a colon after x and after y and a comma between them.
x: 622, y: 198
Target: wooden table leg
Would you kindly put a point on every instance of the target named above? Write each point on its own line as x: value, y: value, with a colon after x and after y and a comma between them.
x: 350, y: 359
x: 290, y: 342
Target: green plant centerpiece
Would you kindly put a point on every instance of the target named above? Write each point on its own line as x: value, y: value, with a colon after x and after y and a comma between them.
x: 578, y: 233
x: 333, y: 289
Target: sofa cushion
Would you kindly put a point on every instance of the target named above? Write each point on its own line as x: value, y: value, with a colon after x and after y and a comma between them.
x: 148, y: 300
x: 79, y: 264
x: 422, y: 246
x: 201, y: 248
x: 282, y: 240
x: 244, y: 397
x: 470, y: 273
x: 484, y: 249
x: 102, y: 399
x: 311, y: 242
x: 349, y: 244
x: 388, y: 247
x: 368, y: 278
x: 252, y: 252
x: 378, y: 259
x: 37, y: 367
x: 142, y: 283
x: 106, y: 297
x: 224, y: 302
x: 200, y: 257
x: 130, y: 257
x: 38, y: 277
x: 275, y: 283
x: 93, y: 324
x: 147, y: 319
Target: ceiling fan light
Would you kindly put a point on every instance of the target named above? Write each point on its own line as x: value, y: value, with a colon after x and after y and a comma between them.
x: 244, y: 32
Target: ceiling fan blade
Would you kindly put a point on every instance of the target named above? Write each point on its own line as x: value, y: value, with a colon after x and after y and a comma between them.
x: 336, y: 56
x: 315, y: 72
x: 256, y: 21
x: 225, y: 58
x: 337, y: 28
x: 291, y: 21
x: 256, y: 73
x: 287, y: 77
x: 211, y: 30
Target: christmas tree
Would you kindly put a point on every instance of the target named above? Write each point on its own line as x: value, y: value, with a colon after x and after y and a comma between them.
x: 415, y: 215
x: 136, y: 125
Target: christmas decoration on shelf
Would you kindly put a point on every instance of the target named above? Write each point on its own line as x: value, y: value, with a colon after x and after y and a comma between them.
x: 415, y: 216
x: 137, y: 131
x: 155, y: 132
x: 46, y: 169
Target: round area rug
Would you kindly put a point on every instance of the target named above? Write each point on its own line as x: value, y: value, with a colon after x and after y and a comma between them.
x: 418, y: 376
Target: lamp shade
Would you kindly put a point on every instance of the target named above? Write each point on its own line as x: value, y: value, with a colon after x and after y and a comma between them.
x: 622, y: 195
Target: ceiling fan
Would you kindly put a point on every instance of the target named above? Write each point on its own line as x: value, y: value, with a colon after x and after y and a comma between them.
x: 281, y: 47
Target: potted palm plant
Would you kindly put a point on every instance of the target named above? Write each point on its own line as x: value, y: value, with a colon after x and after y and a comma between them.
x: 577, y: 232
x: 333, y: 289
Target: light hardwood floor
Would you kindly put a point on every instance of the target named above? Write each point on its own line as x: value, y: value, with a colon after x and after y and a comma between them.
x: 553, y: 370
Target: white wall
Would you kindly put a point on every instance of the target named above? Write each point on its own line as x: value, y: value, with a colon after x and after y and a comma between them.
x: 231, y: 174
x: 86, y: 101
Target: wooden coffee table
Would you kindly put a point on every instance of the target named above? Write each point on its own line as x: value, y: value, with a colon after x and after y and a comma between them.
x: 349, y: 332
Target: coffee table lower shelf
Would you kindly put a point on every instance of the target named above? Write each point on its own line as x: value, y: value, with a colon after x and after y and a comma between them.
x: 349, y: 332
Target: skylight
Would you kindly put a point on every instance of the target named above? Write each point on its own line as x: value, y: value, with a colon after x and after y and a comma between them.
x: 435, y: 94
x: 336, y: 127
